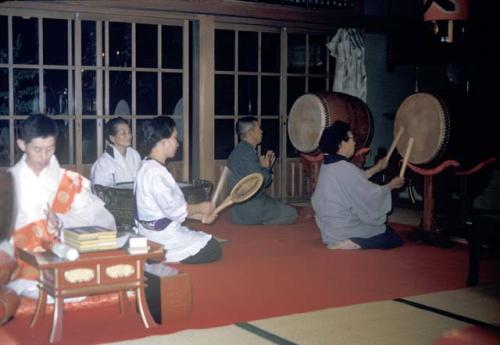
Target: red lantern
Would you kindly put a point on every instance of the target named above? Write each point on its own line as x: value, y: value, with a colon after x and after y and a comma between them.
x: 438, y: 12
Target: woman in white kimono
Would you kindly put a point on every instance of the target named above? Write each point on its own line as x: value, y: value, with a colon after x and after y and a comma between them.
x: 161, y: 207
x: 351, y: 211
x: 119, y: 163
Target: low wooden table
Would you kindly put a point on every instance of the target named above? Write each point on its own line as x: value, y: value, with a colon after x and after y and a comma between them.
x: 93, y: 273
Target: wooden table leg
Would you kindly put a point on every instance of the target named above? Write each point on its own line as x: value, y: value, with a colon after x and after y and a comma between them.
x: 57, y: 322
x: 125, y: 307
x: 40, y: 307
x: 147, y: 319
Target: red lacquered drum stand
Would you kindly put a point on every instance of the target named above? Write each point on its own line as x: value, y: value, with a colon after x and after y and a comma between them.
x: 429, y: 232
x: 465, y: 200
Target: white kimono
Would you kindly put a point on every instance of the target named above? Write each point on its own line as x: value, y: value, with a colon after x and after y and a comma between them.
x: 35, y: 194
x: 112, y: 167
x: 161, y: 201
x: 347, y: 204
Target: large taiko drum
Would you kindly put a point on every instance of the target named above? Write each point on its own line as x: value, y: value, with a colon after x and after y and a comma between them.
x: 313, y: 112
x: 444, y: 125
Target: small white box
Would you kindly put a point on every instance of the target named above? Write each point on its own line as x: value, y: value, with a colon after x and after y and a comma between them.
x: 137, y: 242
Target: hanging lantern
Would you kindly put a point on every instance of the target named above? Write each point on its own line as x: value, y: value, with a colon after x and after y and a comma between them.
x: 444, y: 14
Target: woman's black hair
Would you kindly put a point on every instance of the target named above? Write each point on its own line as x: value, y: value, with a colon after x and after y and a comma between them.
x: 154, y: 130
x: 332, y: 137
x: 112, y: 126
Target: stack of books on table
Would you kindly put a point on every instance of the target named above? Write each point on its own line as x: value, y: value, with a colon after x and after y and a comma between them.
x: 90, y: 238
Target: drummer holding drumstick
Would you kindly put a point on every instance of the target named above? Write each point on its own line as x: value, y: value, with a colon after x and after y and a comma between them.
x: 351, y: 211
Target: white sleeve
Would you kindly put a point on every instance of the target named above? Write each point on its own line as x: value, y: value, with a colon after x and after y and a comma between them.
x: 102, y: 173
x: 167, y: 195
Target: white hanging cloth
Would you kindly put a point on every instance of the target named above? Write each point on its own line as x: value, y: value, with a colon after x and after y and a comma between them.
x: 347, y: 47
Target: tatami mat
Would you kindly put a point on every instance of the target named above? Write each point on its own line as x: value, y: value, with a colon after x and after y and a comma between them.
x: 479, y: 303
x: 371, y: 324
x: 210, y: 336
x: 385, y: 323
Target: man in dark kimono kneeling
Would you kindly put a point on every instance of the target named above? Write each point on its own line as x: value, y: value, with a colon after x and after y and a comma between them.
x: 244, y: 160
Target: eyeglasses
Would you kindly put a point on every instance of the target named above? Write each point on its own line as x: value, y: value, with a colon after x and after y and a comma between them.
x: 350, y: 137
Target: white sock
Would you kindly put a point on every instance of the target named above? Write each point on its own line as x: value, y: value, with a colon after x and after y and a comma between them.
x: 346, y: 244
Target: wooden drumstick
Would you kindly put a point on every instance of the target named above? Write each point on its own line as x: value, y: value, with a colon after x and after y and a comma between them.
x: 220, y: 184
x: 407, y: 155
x: 393, y: 145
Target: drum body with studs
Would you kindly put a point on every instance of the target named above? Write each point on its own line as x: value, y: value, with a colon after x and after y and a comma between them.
x: 444, y: 126
x: 313, y: 112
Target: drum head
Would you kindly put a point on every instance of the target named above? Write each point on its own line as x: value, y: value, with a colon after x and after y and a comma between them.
x: 306, y: 122
x: 424, y: 119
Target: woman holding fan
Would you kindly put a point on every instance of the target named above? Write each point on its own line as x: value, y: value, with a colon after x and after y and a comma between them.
x: 161, y: 207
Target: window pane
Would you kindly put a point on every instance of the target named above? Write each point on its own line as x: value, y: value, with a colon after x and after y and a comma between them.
x: 4, y: 91
x: 171, y: 92
x: 247, y: 95
x: 224, y: 138
x: 146, y: 45
x: 270, y: 95
x: 25, y: 40
x: 317, y: 54
x: 224, y: 95
x: 317, y: 84
x: 179, y: 125
x: 55, y: 41
x: 88, y: 43
x: 147, y: 87
x: 171, y: 37
x: 224, y: 50
x: 290, y: 149
x: 56, y: 91
x: 89, y: 144
x: 140, y: 138
x: 89, y: 93
x: 63, y: 143
x: 4, y: 144
x: 271, y: 52
x: 296, y: 88
x: 271, y: 136
x: 296, y: 53
x: 247, y: 51
x: 17, y: 152
x: 120, y: 43
x: 120, y: 92
x: 4, y: 40
x: 26, y: 91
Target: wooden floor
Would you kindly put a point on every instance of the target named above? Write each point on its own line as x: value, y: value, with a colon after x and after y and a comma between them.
x: 465, y: 316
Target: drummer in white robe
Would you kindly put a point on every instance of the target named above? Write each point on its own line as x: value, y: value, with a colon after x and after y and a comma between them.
x: 161, y: 207
x: 351, y: 212
x: 120, y: 162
